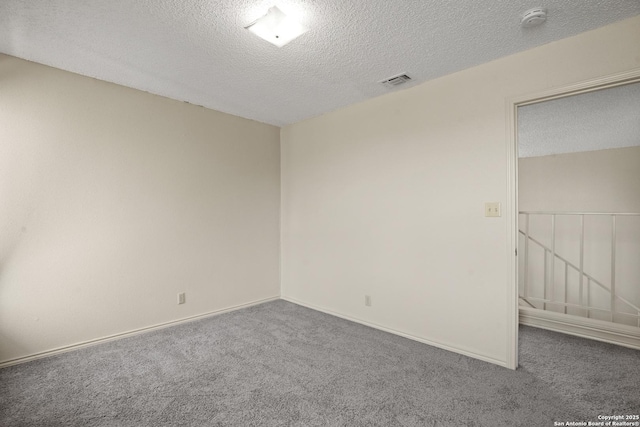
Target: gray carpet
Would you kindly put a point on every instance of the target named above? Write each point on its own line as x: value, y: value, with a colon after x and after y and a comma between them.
x: 279, y: 364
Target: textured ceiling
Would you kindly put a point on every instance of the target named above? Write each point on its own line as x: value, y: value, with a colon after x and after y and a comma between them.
x: 198, y: 51
x: 608, y: 118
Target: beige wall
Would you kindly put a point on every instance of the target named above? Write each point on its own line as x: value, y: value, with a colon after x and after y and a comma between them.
x: 386, y: 197
x: 114, y: 200
x: 592, y: 181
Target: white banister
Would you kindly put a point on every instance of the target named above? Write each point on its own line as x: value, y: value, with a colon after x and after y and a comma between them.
x: 580, y: 213
x: 550, y: 293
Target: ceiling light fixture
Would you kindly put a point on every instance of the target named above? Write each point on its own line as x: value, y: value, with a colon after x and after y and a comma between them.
x: 276, y: 27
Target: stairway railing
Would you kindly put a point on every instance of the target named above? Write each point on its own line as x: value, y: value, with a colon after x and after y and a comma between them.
x: 584, y: 297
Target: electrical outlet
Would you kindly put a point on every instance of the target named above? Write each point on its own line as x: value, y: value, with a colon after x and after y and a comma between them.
x: 367, y: 300
x: 182, y: 298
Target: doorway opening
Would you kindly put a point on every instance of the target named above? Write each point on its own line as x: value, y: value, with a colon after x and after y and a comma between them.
x: 575, y: 174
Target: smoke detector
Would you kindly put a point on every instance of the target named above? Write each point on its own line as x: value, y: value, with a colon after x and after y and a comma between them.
x: 533, y: 17
x: 395, y: 81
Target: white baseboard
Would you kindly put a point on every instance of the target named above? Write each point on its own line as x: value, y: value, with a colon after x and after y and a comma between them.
x: 402, y: 334
x: 133, y: 332
x: 614, y: 333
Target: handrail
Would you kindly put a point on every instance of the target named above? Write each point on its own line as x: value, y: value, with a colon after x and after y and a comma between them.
x: 590, y: 277
x: 550, y: 281
x: 568, y: 304
x: 527, y: 302
x: 580, y: 213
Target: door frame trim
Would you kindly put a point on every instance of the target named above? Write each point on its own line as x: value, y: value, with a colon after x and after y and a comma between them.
x: 512, y: 104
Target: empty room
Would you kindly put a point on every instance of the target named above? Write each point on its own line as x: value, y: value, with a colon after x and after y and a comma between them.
x: 307, y: 213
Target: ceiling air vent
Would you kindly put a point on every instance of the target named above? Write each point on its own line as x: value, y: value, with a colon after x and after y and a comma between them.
x: 396, y: 81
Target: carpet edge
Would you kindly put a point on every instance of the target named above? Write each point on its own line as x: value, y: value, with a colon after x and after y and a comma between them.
x: 450, y: 348
x: 133, y: 332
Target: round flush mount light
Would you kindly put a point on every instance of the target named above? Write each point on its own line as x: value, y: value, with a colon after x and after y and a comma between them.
x: 533, y: 17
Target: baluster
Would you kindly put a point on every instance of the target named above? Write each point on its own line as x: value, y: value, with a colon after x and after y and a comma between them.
x: 553, y: 258
x: 526, y: 256
x: 581, y: 280
x: 588, y: 296
x: 566, y: 284
x: 613, y: 266
x: 546, y: 280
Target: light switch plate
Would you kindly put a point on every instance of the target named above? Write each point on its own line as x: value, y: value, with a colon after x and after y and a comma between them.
x: 492, y: 209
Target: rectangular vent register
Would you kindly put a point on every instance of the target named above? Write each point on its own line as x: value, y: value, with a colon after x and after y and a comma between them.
x: 396, y: 81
